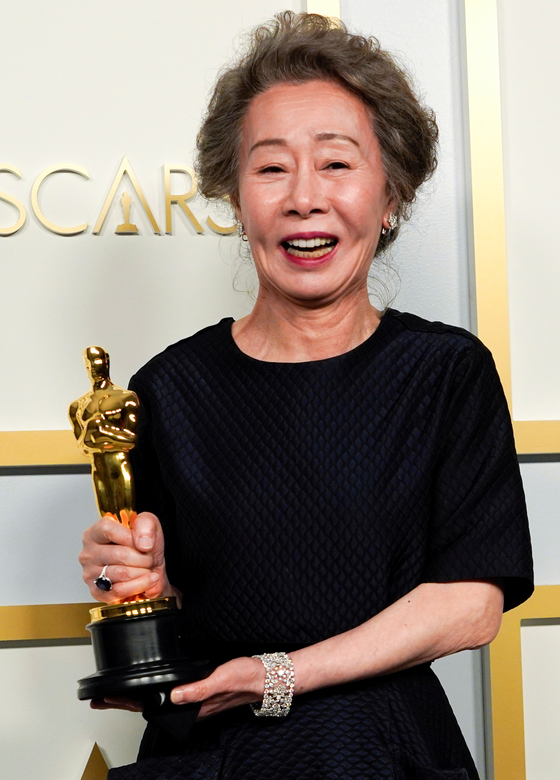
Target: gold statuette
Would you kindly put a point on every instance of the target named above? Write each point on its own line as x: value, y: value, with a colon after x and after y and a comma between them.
x: 105, y: 421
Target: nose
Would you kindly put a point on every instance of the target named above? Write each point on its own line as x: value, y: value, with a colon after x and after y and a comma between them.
x: 306, y: 195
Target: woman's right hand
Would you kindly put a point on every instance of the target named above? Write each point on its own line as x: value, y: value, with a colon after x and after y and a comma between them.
x: 134, y: 558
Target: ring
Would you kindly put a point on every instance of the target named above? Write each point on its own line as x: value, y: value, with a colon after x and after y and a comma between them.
x: 103, y: 582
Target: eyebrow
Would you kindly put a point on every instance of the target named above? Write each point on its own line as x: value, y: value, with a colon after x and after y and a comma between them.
x: 268, y: 142
x: 336, y: 137
x: 318, y: 137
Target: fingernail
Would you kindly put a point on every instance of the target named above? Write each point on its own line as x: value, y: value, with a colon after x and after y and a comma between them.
x: 145, y: 542
x: 177, y: 697
x: 154, y: 578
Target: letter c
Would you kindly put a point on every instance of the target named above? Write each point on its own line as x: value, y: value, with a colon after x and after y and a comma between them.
x: 62, y: 231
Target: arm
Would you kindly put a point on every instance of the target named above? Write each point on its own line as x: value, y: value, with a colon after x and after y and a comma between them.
x: 433, y: 620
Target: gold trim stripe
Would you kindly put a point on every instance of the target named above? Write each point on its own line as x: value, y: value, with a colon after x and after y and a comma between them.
x: 489, y: 233
x: 39, y: 448
x: 485, y: 125
x: 96, y: 767
x: 537, y: 436
x: 506, y: 680
x: 44, y: 621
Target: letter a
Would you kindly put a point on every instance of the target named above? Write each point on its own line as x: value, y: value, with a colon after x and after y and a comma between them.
x: 125, y: 168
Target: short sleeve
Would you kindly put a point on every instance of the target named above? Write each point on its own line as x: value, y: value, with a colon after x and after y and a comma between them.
x: 479, y: 527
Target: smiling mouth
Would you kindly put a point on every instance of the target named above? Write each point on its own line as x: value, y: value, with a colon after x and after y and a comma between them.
x: 309, y: 247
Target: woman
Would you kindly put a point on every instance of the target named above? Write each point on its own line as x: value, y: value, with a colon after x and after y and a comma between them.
x: 336, y: 489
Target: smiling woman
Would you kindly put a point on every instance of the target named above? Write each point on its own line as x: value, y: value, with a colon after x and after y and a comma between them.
x: 313, y: 198
x: 332, y: 490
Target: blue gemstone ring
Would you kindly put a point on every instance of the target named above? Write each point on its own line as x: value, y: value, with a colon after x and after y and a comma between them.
x: 103, y: 582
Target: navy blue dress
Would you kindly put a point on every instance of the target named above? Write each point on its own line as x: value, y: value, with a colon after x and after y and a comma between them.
x: 300, y: 499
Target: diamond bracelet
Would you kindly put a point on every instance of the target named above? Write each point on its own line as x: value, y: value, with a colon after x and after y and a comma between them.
x: 278, y: 686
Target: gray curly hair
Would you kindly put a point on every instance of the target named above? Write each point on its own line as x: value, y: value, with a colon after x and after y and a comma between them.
x: 296, y: 48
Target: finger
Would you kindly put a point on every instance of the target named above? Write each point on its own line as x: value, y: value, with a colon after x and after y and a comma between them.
x: 108, y: 531
x: 120, y: 555
x: 189, y: 694
x: 144, y: 531
x: 126, y: 574
x: 116, y: 703
x: 151, y: 584
x: 125, y: 582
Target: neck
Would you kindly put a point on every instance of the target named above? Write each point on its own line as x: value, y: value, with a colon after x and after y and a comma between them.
x: 100, y: 384
x: 287, y: 332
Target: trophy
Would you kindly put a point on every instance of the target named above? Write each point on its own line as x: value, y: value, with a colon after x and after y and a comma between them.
x: 139, y: 645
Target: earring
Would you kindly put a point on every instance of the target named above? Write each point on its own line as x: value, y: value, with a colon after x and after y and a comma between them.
x: 241, y: 231
x: 393, y: 222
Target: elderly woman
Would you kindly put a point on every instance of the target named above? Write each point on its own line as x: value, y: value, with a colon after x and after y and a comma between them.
x: 335, y: 487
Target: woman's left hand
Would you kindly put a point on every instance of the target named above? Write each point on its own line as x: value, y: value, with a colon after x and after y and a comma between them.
x: 240, y: 681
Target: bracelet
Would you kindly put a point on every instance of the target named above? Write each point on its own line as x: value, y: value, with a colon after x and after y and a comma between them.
x: 278, y: 686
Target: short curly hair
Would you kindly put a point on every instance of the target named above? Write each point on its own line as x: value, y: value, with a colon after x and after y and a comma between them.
x: 297, y: 48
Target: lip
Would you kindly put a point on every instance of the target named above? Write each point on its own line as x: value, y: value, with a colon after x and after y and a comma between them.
x: 312, y: 262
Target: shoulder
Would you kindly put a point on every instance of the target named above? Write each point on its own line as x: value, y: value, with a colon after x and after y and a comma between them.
x: 185, y: 356
x: 435, y: 332
x: 436, y: 337
x: 449, y: 352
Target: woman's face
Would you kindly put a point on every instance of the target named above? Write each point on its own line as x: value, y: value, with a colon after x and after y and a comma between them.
x: 312, y: 191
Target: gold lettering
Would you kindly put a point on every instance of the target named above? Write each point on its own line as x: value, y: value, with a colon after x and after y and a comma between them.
x: 180, y: 200
x: 62, y: 231
x: 9, y: 231
x: 125, y: 169
x: 221, y: 231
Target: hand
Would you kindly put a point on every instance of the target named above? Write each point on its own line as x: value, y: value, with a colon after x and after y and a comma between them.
x: 116, y: 703
x: 237, y: 682
x: 135, y: 559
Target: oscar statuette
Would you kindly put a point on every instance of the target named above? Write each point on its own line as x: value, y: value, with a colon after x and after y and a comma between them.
x: 139, y: 645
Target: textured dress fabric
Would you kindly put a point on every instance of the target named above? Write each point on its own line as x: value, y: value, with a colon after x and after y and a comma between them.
x: 300, y: 499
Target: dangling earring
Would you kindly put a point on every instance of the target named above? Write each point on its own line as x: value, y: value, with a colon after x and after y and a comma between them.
x: 393, y: 222
x: 241, y: 231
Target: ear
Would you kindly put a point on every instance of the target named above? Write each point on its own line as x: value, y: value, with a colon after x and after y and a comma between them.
x: 234, y: 201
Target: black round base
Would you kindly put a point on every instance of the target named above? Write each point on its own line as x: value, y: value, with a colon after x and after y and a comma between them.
x: 139, y: 682
x: 140, y: 656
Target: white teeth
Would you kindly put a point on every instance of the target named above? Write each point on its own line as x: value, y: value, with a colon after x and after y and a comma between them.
x: 310, y: 248
x: 310, y: 243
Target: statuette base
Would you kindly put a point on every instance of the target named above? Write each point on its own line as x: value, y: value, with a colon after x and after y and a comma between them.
x: 140, y: 654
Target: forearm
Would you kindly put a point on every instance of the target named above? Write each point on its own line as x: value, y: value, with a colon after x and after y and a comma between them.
x: 433, y: 620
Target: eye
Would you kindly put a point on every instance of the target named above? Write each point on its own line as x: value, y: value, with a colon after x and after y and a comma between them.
x: 337, y: 165
x: 272, y: 169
